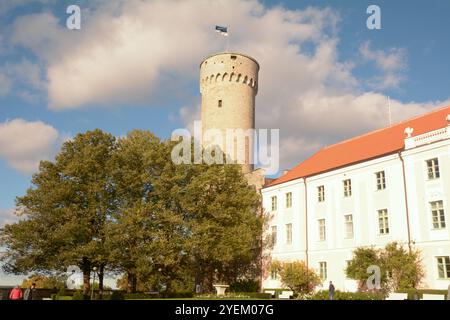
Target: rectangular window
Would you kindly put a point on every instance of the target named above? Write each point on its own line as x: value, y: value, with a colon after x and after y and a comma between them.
x: 433, y: 168
x: 289, y: 233
x: 219, y: 103
x: 438, y: 214
x: 383, y: 222
x: 381, y: 180
x: 347, y: 188
x: 348, y: 226
x: 274, y: 203
x: 273, y: 236
x: 323, y: 270
x: 289, y: 200
x: 443, y: 267
x: 322, y: 231
x: 273, y: 274
x: 321, y: 193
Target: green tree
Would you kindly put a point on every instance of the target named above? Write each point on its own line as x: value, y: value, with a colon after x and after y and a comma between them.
x: 65, y: 211
x: 404, y: 267
x: 400, y: 268
x: 225, y: 226
x: 297, y: 276
x: 363, y: 258
x: 45, y: 282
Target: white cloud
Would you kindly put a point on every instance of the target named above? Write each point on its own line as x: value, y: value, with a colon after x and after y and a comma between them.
x: 391, y: 64
x: 133, y: 51
x: 23, y: 144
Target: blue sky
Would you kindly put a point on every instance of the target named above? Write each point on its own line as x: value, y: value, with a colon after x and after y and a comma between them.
x: 139, y: 67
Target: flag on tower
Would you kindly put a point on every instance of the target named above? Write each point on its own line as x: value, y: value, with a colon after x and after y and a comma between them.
x: 222, y: 30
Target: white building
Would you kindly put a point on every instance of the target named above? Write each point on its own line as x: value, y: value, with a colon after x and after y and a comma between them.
x: 388, y: 185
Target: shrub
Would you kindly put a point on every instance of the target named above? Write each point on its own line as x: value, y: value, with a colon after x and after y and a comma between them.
x: 245, y: 286
x: 137, y: 296
x: 78, y: 295
x: 116, y: 295
x: 420, y: 292
x: 180, y: 294
x: 254, y: 295
x: 297, y: 277
x: 339, y: 295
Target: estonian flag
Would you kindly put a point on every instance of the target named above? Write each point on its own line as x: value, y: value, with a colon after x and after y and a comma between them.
x: 222, y: 30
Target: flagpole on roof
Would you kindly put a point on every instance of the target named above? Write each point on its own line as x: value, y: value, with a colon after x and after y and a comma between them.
x: 389, y: 110
x: 228, y: 36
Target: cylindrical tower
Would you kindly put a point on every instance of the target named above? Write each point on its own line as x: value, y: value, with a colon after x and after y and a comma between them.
x: 228, y: 85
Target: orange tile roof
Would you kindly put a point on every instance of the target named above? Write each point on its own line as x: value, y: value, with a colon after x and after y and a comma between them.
x: 367, y: 146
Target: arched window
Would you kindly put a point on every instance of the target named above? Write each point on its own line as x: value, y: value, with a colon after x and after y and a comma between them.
x: 224, y: 76
x: 232, y: 76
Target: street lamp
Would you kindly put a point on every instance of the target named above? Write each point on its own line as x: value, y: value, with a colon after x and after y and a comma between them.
x: 93, y: 283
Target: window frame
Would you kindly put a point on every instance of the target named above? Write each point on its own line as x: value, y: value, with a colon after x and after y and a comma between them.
x: 273, y: 235
x: 322, y: 226
x: 383, y: 222
x: 380, y: 178
x: 433, y: 169
x: 347, y: 188
x: 445, y: 265
x: 288, y: 234
x: 321, y: 193
x: 348, y: 223
x: 323, y: 270
x: 440, y: 215
x: 274, y: 203
x: 288, y: 200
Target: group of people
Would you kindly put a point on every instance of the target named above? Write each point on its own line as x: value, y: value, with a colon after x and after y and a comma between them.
x: 29, y: 294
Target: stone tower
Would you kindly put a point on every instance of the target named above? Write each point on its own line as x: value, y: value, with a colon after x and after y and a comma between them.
x: 228, y: 85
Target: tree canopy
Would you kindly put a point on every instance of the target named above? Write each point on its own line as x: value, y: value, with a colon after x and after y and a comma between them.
x: 122, y: 206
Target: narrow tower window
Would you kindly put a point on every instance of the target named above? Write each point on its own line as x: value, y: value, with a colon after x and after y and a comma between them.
x: 219, y: 103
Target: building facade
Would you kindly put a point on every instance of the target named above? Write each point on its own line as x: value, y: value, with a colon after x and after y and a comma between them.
x: 389, y: 185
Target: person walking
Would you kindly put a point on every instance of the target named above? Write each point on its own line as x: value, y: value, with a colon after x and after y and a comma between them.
x: 331, y: 290
x: 16, y: 293
x: 30, y: 292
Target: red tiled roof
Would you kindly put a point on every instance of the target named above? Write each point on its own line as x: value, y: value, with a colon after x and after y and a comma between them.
x: 367, y: 146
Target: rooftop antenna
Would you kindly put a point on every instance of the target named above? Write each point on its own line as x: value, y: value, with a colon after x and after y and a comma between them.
x: 389, y: 110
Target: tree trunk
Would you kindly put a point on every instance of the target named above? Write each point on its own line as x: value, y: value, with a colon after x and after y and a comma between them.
x: 101, y: 274
x: 131, y: 282
x: 86, y: 281
x: 86, y: 268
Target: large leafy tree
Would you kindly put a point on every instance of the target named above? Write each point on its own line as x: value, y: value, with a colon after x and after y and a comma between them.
x: 66, y: 211
x: 123, y: 205
x: 225, y: 225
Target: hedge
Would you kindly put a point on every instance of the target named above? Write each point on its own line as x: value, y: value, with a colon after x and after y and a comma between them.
x: 339, y: 295
x: 420, y: 292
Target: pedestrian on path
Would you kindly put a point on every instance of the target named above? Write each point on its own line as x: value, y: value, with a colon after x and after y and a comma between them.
x: 16, y: 293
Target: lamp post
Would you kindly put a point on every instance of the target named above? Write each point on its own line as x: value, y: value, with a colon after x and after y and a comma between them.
x: 93, y: 283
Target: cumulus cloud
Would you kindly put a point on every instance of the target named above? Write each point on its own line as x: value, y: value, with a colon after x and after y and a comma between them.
x: 25, y: 77
x: 133, y: 51
x: 391, y: 64
x: 23, y: 144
